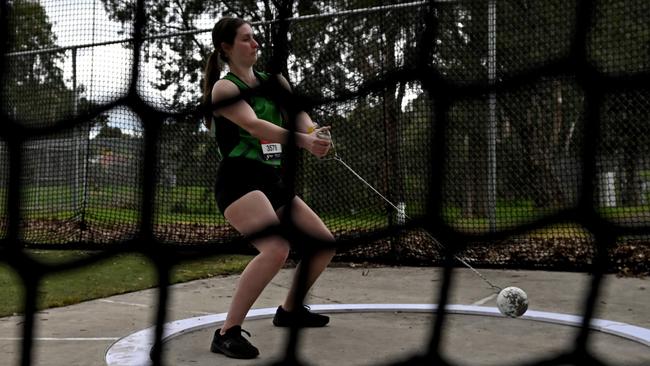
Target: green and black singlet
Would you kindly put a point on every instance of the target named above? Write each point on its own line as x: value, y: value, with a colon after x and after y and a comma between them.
x: 235, y: 141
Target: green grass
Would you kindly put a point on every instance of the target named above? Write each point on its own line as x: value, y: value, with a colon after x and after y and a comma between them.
x: 207, y: 219
x: 106, y: 215
x: 626, y: 213
x: 121, y: 204
x: 357, y: 220
x: 509, y: 215
x: 190, y: 199
x: 116, y: 205
x: 119, y: 274
x: 195, y: 204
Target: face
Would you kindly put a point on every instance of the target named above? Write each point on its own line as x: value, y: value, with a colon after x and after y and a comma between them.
x: 244, y: 48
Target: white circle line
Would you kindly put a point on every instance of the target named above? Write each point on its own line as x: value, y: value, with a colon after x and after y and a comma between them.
x: 133, y: 350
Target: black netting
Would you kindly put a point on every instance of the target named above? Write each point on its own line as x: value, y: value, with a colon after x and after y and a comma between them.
x: 515, y: 132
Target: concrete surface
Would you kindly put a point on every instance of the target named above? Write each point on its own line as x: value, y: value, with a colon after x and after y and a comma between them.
x: 80, y: 334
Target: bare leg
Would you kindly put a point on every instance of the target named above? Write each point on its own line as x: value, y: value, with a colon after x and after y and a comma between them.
x: 305, y: 219
x: 250, y: 214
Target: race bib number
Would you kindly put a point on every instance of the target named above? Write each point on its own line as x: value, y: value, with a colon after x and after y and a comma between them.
x: 271, y: 150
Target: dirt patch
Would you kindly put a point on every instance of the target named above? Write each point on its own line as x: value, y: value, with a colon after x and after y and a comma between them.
x: 628, y: 257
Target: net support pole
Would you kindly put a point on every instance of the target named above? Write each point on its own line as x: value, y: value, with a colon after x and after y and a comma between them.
x: 76, y: 133
x: 75, y: 105
x: 492, y: 123
x: 81, y: 143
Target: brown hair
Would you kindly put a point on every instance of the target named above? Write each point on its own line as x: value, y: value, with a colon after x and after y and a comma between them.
x: 224, y: 30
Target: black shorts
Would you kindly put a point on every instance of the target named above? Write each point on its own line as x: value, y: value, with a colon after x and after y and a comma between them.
x: 239, y: 176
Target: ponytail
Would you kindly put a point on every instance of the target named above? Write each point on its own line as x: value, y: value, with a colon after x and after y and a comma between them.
x: 210, y: 76
x: 224, y: 30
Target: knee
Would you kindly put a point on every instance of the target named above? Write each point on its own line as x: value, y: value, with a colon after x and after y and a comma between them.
x: 331, y: 250
x: 319, y: 254
x: 276, y: 252
x: 328, y: 253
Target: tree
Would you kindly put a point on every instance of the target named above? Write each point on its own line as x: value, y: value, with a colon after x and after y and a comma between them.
x: 34, y: 88
x: 539, y: 125
x: 620, y: 42
x: 180, y: 60
x: 625, y: 143
x: 109, y: 132
x: 460, y: 54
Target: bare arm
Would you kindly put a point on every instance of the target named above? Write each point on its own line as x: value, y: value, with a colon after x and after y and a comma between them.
x: 243, y: 115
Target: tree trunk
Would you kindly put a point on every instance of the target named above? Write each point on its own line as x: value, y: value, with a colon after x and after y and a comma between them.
x: 479, y: 173
x: 550, y: 194
x: 631, y: 185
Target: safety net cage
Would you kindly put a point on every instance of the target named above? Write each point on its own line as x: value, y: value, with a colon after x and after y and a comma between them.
x: 516, y: 134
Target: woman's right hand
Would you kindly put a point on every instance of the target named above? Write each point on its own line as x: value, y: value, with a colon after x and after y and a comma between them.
x: 317, y: 146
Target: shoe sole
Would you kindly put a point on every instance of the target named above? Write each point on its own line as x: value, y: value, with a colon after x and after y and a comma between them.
x: 216, y: 349
x: 285, y: 325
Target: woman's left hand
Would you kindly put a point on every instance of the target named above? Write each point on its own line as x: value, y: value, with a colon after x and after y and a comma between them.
x: 317, y: 142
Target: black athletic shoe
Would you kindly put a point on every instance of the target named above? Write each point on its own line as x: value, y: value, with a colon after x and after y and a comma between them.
x: 301, y: 318
x: 233, y: 344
